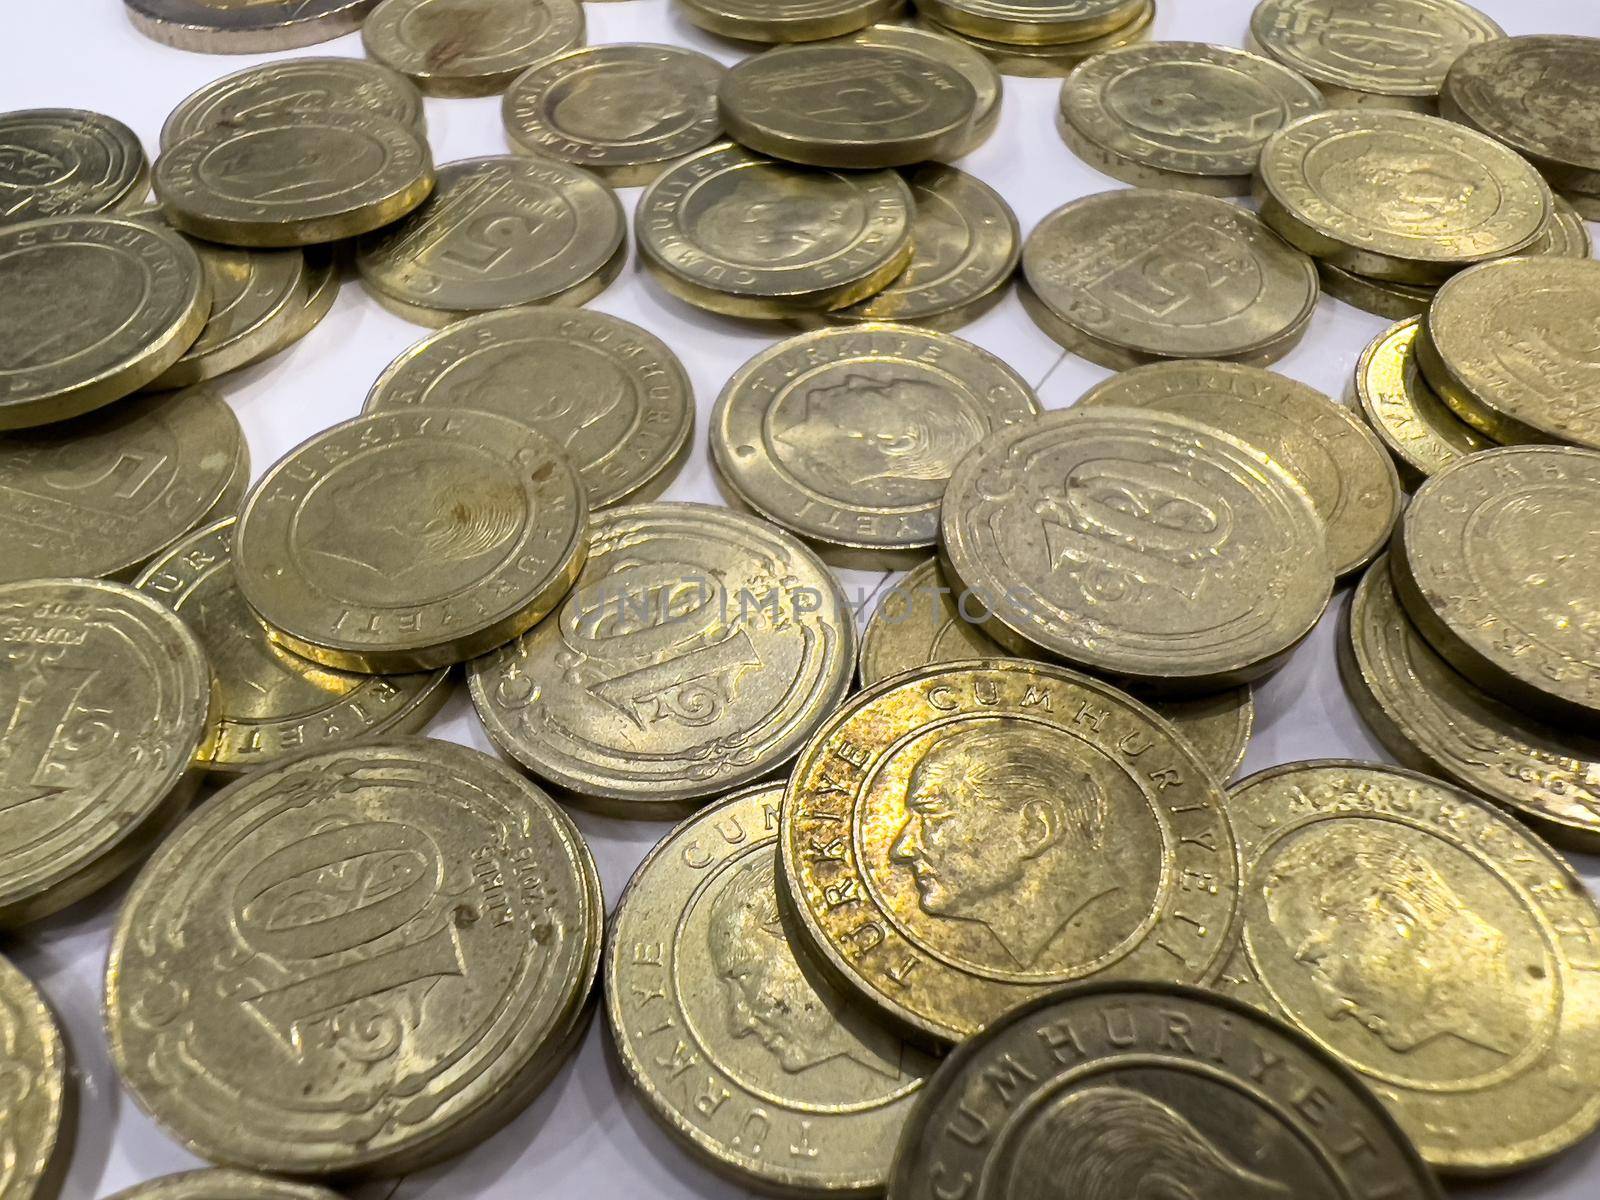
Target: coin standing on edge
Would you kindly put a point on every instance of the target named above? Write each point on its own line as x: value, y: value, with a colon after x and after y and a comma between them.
x: 37, y: 1118
x: 469, y: 47
x: 223, y: 1184
x: 986, y: 83
x: 251, y: 27
x: 786, y: 21
x: 60, y: 162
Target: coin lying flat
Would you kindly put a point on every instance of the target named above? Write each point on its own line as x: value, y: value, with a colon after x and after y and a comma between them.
x: 408, y: 541
x: 611, y: 394
x: 245, y: 26
x: 786, y: 20
x: 105, y: 702
x: 57, y: 162
x: 223, y: 1184
x: 848, y: 436
x: 1032, y: 22
x: 33, y: 1075
x: 469, y: 47
x: 354, y: 962
x: 986, y: 84
x: 698, y: 652
x: 699, y: 944
x: 1434, y: 946
x: 1181, y: 114
x: 736, y: 233
x: 322, y: 289
x: 961, y: 839
x: 622, y: 111
x: 1116, y: 1090
x: 1048, y: 60
x: 1137, y: 544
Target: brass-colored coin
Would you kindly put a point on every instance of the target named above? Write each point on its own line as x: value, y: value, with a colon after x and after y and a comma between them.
x: 1398, y: 195
x: 470, y: 47
x: 1120, y: 1089
x: 497, y: 233
x: 610, y: 393
x: 1053, y: 60
x: 245, y: 26
x: 1323, y: 446
x: 623, y: 111
x: 408, y: 541
x: 1136, y: 544
x: 962, y: 839
x: 699, y: 943
x: 94, y: 308
x: 1032, y: 22
x: 322, y: 289
x: 354, y: 962
x: 223, y: 1184
x: 35, y: 1121
x: 270, y: 703
x: 986, y: 83
x: 736, y: 233
x: 1181, y: 114
x: 1510, y: 347
x: 58, y: 162
x: 848, y: 436
x: 1129, y: 277
x: 105, y: 703
x: 1389, y: 55
x: 787, y: 20
x: 1431, y: 944
x: 1567, y: 235
x: 100, y: 496
x: 698, y: 652
x: 1380, y: 297
x: 296, y: 179
x: 1492, y: 562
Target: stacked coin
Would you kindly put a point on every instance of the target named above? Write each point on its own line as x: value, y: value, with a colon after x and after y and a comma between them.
x: 785, y: 21
x: 261, y: 25
x: 61, y: 161
x: 36, y: 1123
x: 1039, y: 37
x: 452, y: 49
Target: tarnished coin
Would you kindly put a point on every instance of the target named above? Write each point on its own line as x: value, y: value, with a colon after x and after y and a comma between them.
x: 35, y: 1137
x: 698, y: 652
x: 223, y: 1184
x: 1434, y: 946
x: 1514, y: 349
x: 105, y: 703
x: 470, y: 47
x: 94, y: 308
x: 1380, y: 297
x: 1032, y: 22
x: 57, y: 162
x: 355, y: 962
x: 1181, y: 114
x: 498, y: 233
x: 1390, y: 54
x: 245, y: 26
x: 1493, y: 562
x: 736, y: 233
x: 1397, y: 195
x: 1128, y: 277
x: 624, y: 111
x: 610, y: 393
x: 848, y: 436
x: 100, y: 496
x: 293, y: 86
x: 787, y: 20
x: 699, y: 952
x: 1049, y: 60
x: 987, y: 85
x: 1323, y: 446
x: 295, y: 179
x: 961, y: 839
x: 1137, y: 544
x: 1119, y: 1090
x: 411, y: 540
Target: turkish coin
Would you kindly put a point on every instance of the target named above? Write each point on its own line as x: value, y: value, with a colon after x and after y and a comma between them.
x: 469, y: 47
x: 1032, y: 22
x: 987, y: 85
x: 322, y: 289
x: 58, y: 162
x: 1380, y: 297
x: 786, y: 21
x: 245, y: 26
x: 1053, y: 59
x: 223, y: 1184
x: 35, y: 1120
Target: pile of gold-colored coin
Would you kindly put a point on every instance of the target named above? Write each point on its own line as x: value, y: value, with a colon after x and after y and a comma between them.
x: 1039, y: 37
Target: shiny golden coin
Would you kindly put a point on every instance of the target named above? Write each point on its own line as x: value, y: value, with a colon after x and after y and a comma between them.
x: 1419, y: 429
x: 294, y: 180
x: 847, y: 437
x: 322, y: 289
x: 623, y: 111
x: 57, y: 162
x: 245, y: 26
x: 35, y: 1121
x: 105, y: 703
x: 1128, y: 277
x: 699, y: 943
x: 1431, y: 944
x: 698, y: 652
x: 223, y: 1184
x: 787, y: 20
x: 470, y: 47
x: 354, y: 962
x: 1380, y: 297
x: 1323, y: 446
x: 962, y: 839
x: 1140, y: 545
x: 1032, y: 22
x: 736, y: 233
x: 1401, y: 196
x: 1054, y: 60
x: 1180, y: 114
x: 987, y: 85
x: 1493, y: 562
x: 1117, y: 1090
x: 412, y: 540
x: 610, y: 393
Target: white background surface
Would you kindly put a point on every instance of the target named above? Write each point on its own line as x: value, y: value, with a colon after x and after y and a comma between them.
x: 586, y: 1135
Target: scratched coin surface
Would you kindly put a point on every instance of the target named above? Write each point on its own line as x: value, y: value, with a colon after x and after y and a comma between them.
x: 35, y: 1086
x: 698, y: 652
x: 1051, y: 60
x: 469, y: 47
x: 1032, y: 22
x: 813, y: 1092
x: 1122, y: 1091
x: 611, y: 394
x: 787, y: 20
x: 1137, y: 544
x: 1430, y: 943
x: 223, y: 1184
x: 56, y: 162
x: 962, y: 839
x: 987, y: 86
x: 105, y: 702
x: 245, y: 26
x: 411, y: 540
x: 1323, y: 446
x: 353, y: 962
x: 847, y: 437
